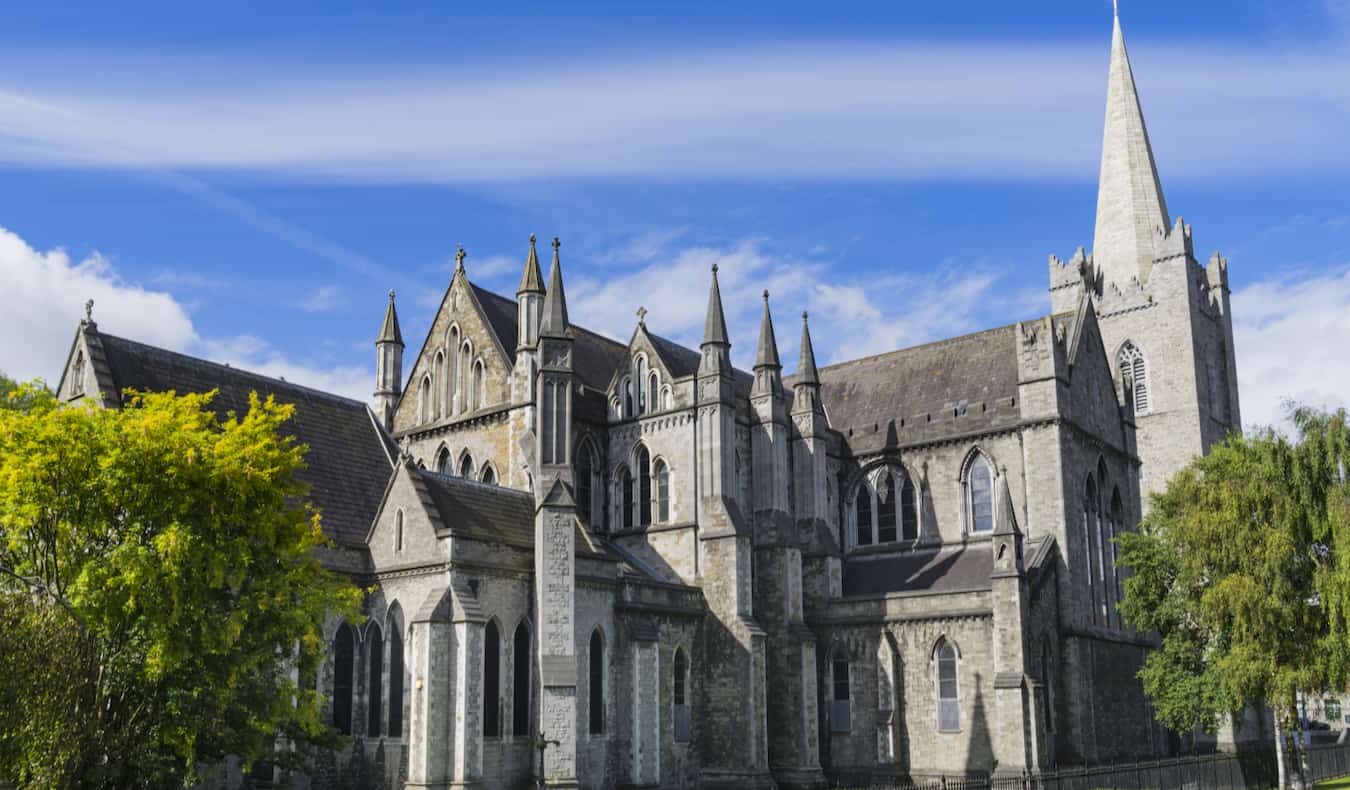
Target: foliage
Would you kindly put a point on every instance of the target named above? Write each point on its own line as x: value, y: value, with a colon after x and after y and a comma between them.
x: 23, y: 397
x: 158, y: 569
x: 1242, y: 566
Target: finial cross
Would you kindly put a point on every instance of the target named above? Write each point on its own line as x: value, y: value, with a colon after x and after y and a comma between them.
x: 642, y: 315
x: 460, y: 255
x: 556, y: 244
x: 89, y: 310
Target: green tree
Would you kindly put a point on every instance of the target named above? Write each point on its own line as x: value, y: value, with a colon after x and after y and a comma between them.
x: 22, y: 397
x: 159, y: 588
x: 1241, y: 567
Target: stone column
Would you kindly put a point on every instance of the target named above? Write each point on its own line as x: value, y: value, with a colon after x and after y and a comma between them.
x: 646, y: 734
x: 429, y: 663
x: 555, y: 551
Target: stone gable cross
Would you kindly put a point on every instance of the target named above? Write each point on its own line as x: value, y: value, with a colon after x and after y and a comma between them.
x: 642, y: 315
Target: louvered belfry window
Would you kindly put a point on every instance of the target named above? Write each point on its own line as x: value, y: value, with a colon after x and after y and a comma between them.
x: 1134, y: 370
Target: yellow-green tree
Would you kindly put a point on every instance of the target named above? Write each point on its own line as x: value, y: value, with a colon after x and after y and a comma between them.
x: 159, y: 591
x: 1243, y: 568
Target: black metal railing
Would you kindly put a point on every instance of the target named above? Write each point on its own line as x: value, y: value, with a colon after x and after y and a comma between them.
x: 1249, y: 769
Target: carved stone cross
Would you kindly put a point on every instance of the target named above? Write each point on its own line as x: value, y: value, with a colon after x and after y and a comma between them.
x: 642, y: 315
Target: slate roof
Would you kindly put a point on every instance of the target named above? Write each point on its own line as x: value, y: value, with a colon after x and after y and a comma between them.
x: 492, y: 514
x: 349, y: 458
x: 920, y: 388
x: 959, y: 569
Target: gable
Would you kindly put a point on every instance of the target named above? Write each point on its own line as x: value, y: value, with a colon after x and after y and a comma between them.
x: 465, y: 332
x: 420, y: 523
x: 1092, y: 401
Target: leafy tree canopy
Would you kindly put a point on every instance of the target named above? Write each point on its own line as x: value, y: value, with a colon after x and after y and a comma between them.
x: 159, y: 588
x: 1243, y: 567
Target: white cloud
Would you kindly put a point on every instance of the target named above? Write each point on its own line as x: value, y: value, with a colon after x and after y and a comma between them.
x: 850, y: 318
x: 43, y: 301
x: 1289, y: 336
x: 905, y: 109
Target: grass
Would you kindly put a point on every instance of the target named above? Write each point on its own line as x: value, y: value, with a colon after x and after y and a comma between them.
x: 1334, y: 784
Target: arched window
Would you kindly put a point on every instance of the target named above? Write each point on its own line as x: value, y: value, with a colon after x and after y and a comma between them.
x: 395, y: 676
x: 424, y: 399
x: 662, y: 492
x: 627, y: 398
x: 443, y: 461
x: 452, y: 372
x: 439, y: 373
x: 1089, y: 531
x: 375, y: 675
x: 863, y: 511
x: 466, y: 467
x: 644, y: 464
x: 1117, y: 513
x: 626, y: 483
x: 841, y: 706
x: 585, y: 464
x: 886, y: 508
x: 1048, y: 685
x: 643, y: 403
x: 560, y: 426
x: 479, y: 386
x: 665, y: 399
x: 77, y: 374
x: 489, y: 475
x: 465, y: 377
x: 948, y: 688
x: 344, y: 652
x: 492, y: 681
x: 909, y: 511
x: 547, y: 420
x: 398, y: 530
x: 597, y: 681
x: 980, y: 493
x: 679, y: 696
x: 520, y: 681
x: 653, y: 391
x: 1134, y: 370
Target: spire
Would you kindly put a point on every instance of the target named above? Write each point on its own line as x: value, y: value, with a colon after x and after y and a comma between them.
x: 555, y: 301
x: 767, y: 355
x: 1005, y: 513
x: 715, y: 325
x: 1130, y: 200
x: 806, y: 361
x: 389, y: 331
x: 531, y: 280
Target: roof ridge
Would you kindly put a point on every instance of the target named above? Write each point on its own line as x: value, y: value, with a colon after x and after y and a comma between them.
x: 237, y: 371
x: 458, y: 480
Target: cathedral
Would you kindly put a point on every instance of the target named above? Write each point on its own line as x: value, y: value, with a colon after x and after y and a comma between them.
x: 601, y: 563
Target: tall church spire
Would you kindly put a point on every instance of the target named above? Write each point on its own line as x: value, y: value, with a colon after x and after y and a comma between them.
x: 555, y: 301
x: 1130, y: 202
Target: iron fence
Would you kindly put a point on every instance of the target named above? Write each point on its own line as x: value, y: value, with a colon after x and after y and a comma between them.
x: 1249, y: 769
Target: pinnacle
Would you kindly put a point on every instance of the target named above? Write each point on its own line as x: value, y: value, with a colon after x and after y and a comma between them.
x: 389, y: 329
x: 806, y: 360
x: 555, y: 300
x: 767, y: 355
x: 715, y: 325
x: 532, y: 279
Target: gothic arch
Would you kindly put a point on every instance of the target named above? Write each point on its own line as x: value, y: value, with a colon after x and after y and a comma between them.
x: 398, y: 673
x: 442, y: 455
x: 438, y: 373
x: 492, y: 678
x: 904, y: 516
x: 597, y: 665
x: 451, y: 388
x: 465, y: 462
x: 588, y: 474
x: 479, y: 383
x: 424, y: 398
x: 978, y: 473
x: 1132, y: 367
x: 375, y: 654
x: 522, y: 678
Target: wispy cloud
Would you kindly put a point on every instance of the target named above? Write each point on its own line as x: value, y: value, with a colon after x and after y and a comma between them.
x: 907, y: 110
x: 323, y: 299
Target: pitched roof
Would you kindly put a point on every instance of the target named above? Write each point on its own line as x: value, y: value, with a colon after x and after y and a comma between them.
x: 922, y: 388
x: 349, y: 457
x: 502, y: 318
x: 490, y: 513
x: 1130, y: 200
x: 945, y: 570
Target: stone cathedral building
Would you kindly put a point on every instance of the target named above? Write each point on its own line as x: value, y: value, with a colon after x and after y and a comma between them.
x: 678, y: 574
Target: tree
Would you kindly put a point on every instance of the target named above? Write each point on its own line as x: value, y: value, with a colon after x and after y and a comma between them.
x: 159, y: 588
x: 1242, y: 567
x: 22, y: 397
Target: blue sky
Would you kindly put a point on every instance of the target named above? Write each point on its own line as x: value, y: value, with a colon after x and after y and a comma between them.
x: 246, y: 182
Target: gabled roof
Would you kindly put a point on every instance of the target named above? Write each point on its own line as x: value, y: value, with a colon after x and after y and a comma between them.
x: 490, y: 513
x: 350, y: 457
x: 920, y: 388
